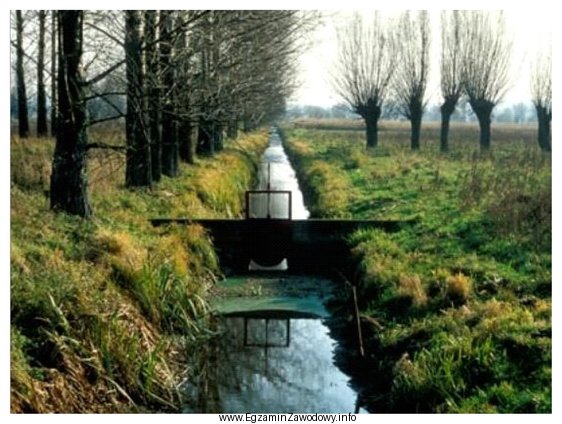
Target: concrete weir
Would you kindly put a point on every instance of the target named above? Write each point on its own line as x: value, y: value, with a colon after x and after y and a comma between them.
x: 308, y: 245
x: 276, y: 226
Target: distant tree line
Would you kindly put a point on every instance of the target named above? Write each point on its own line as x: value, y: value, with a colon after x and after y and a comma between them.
x: 386, y: 66
x: 183, y: 82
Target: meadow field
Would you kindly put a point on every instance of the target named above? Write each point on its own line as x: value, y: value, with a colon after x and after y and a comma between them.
x: 456, y: 309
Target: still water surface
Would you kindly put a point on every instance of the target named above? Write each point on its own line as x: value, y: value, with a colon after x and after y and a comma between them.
x: 275, y: 353
x: 290, y: 369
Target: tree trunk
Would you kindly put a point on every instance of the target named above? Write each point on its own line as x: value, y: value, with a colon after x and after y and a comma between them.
x: 232, y: 130
x: 53, y: 74
x: 485, y: 123
x: 68, y: 178
x: 138, y: 172
x: 205, y: 144
x: 152, y: 82
x: 247, y: 125
x: 371, y: 114
x: 447, y: 109
x: 23, y: 119
x: 186, y: 145
x: 371, y: 123
x: 169, y: 146
x: 218, y: 137
x: 415, y: 110
x: 544, y: 134
x: 445, y: 120
x: 169, y: 128
x: 207, y: 140
x: 415, y: 122
x: 42, y: 130
x: 483, y: 110
x: 194, y: 135
x: 182, y: 96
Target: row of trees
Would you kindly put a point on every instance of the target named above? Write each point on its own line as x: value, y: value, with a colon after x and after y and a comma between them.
x: 380, y: 62
x: 518, y: 113
x: 40, y: 61
x: 180, y: 79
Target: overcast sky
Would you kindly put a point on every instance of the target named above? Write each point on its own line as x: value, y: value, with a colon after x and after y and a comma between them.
x: 530, y: 30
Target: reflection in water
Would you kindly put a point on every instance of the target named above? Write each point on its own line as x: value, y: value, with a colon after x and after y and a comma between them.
x: 272, y: 361
x: 274, y: 364
x: 276, y: 173
x: 267, y: 333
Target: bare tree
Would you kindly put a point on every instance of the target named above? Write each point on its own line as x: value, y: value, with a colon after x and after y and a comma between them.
x: 242, y: 69
x: 152, y: 91
x: 138, y: 172
x: 452, y: 43
x: 23, y: 118
x: 169, y: 129
x: 173, y: 78
x: 363, y: 70
x: 103, y: 66
x: 485, y: 70
x: 184, y: 89
x: 412, y: 71
x: 68, y: 177
x: 178, y: 69
x: 541, y: 91
x: 42, y: 130
x: 208, y: 84
x: 53, y: 73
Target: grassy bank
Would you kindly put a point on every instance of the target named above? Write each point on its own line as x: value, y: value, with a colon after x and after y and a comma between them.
x: 104, y: 311
x: 457, y: 308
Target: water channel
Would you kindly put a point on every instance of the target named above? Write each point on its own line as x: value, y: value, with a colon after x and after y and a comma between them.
x: 275, y: 353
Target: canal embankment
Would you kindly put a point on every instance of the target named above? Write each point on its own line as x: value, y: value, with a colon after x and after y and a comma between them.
x: 103, y: 311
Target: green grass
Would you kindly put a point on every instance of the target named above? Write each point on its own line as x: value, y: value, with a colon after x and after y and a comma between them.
x: 102, y: 309
x: 457, y: 307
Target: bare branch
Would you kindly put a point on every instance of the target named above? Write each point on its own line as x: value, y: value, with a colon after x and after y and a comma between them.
x: 105, y: 73
x: 108, y: 118
x: 412, y: 71
x: 364, y: 69
x: 485, y: 69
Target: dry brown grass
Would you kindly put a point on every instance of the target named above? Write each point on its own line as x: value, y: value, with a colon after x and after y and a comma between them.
x: 410, y: 286
x: 121, y: 252
x: 30, y: 173
x: 459, y: 287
